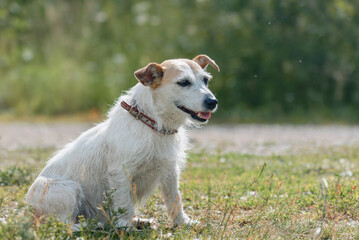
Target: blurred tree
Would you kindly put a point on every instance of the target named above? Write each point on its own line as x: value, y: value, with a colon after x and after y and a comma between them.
x: 277, y: 57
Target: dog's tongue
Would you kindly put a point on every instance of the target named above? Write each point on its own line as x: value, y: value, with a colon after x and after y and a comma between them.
x: 205, y: 115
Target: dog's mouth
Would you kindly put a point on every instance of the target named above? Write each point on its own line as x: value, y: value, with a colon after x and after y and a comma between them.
x: 199, y: 116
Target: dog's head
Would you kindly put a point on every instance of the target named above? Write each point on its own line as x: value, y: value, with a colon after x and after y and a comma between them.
x: 181, y: 85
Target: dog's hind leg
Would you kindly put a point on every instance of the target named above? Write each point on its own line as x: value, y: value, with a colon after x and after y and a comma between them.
x: 58, y: 197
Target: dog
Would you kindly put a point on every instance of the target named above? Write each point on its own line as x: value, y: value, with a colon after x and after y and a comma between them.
x: 140, y: 145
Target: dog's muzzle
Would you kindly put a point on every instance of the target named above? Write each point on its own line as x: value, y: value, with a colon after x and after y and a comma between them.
x: 199, y: 116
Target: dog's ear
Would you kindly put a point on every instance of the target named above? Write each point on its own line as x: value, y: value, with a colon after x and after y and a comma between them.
x: 204, y: 60
x: 150, y: 74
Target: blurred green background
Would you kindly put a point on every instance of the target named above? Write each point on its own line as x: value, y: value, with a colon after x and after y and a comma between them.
x: 287, y: 60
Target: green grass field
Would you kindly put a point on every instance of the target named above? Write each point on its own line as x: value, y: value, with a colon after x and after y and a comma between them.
x: 233, y: 196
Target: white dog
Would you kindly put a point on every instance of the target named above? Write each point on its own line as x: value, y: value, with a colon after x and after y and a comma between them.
x: 140, y: 145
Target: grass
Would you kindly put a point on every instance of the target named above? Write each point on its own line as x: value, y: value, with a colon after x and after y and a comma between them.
x: 234, y: 196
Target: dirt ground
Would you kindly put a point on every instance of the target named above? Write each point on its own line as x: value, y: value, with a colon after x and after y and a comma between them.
x: 245, y: 138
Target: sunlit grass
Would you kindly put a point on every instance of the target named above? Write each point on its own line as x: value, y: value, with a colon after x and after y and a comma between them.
x: 232, y: 196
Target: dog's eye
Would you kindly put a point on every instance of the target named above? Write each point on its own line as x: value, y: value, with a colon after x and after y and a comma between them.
x: 184, y: 83
x: 205, y: 80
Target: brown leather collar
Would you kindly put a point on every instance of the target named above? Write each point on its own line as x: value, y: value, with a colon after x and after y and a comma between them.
x: 145, y: 119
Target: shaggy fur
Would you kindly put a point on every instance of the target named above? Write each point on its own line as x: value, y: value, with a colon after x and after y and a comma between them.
x: 123, y: 154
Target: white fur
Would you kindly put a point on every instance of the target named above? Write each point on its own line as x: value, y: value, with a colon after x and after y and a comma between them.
x: 123, y: 154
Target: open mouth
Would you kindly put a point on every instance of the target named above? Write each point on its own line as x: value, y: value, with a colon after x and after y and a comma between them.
x: 199, y: 116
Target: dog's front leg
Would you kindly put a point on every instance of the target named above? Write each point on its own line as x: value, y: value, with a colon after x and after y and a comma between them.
x: 172, y: 199
x: 121, y: 197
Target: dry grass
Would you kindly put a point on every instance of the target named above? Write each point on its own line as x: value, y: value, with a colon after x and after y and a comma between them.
x: 233, y: 196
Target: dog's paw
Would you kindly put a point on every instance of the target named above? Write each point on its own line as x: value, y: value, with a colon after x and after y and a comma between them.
x: 77, y: 227
x: 191, y: 222
x: 185, y: 221
x: 122, y: 223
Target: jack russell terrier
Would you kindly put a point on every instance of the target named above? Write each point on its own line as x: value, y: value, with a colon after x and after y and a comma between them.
x: 140, y: 145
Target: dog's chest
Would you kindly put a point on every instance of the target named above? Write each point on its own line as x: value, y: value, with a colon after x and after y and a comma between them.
x: 160, y: 155
x: 150, y: 155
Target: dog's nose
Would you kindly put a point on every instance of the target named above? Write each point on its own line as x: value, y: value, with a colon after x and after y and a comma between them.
x: 210, y: 103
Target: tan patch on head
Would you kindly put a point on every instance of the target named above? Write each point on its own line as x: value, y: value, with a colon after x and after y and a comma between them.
x: 172, y: 69
x: 156, y: 84
x: 193, y: 65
